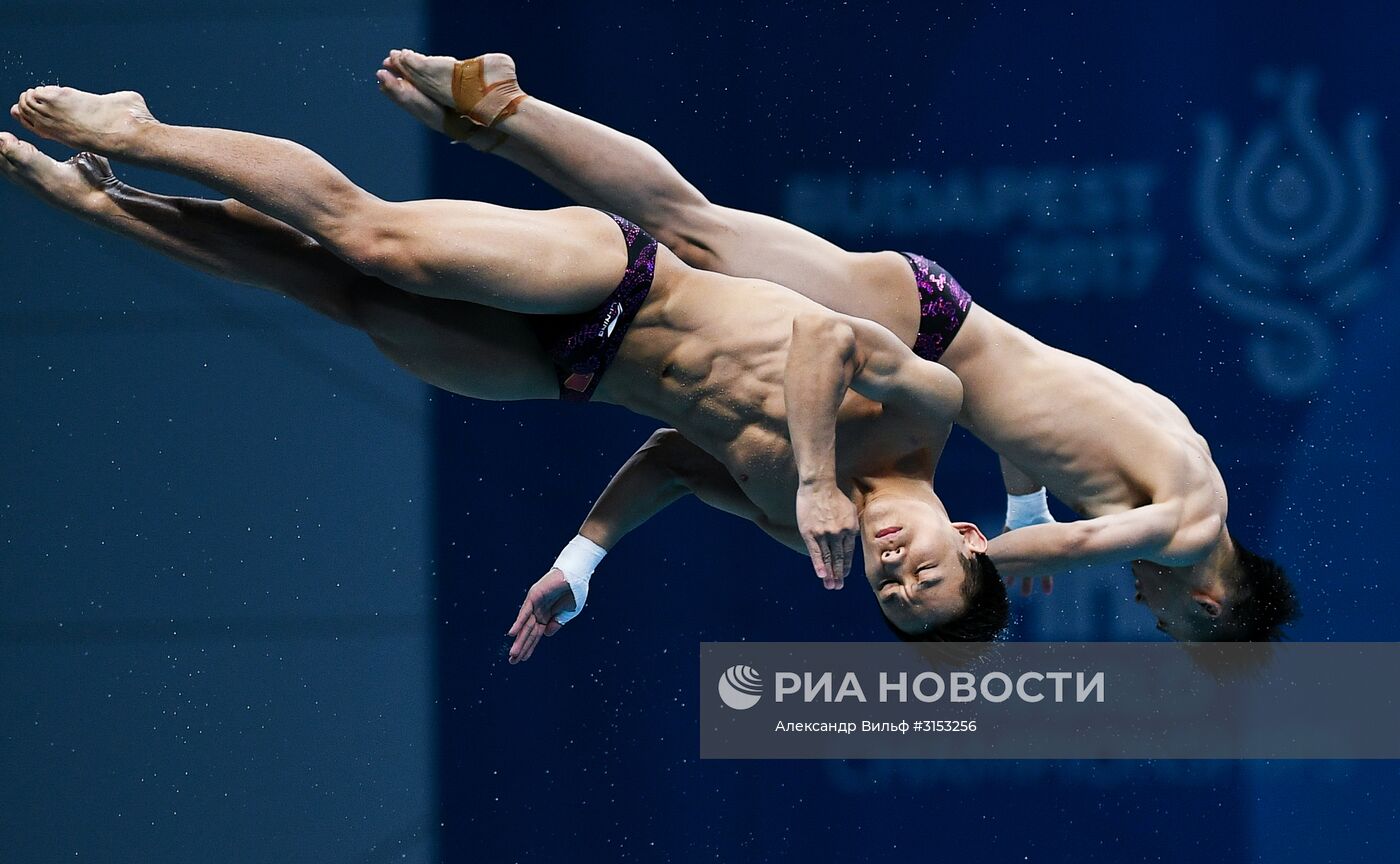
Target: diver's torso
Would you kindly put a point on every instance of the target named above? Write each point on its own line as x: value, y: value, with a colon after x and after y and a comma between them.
x: 707, y: 354
x: 1098, y: 441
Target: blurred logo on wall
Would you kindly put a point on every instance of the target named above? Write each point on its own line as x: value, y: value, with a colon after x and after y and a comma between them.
x: 1289, y: 218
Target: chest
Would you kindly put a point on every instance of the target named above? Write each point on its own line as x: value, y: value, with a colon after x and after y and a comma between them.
x: 868, y: 443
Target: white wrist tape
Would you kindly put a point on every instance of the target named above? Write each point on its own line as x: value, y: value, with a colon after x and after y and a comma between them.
x: 1023, y: 510
x: 577, y: 562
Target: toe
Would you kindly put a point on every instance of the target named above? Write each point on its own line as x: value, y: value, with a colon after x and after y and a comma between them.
x: 15, y: 151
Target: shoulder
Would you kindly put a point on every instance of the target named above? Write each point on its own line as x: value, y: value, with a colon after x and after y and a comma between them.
x: 1194, y: 538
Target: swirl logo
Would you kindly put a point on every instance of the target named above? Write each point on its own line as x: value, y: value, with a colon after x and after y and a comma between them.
x: 740, y: 687
x: 1289, y: 221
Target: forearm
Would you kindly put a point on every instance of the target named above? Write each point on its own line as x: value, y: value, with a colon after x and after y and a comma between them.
x: 645, y: 485
x: 595, y: 165
x: 820, y: 366
x: 1018, y: 482
x: 1033, y: 551
x: 1052, y: 547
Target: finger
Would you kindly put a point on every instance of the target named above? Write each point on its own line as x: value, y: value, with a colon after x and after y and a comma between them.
x: 532, y: 637
x: 1047, y: 584
x: 535, y: 642
x: 814, y: 552
x: 518, y: 646
x: 536, y: 633
x: 527, y: 610
x: 830, y: 578
x: 838, y: 562
x: 1026, y: 587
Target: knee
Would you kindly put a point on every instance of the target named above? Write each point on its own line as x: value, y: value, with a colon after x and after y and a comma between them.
x: 376, y: 251
x: 696, y: 233
x: 366, y: 235
x: 344, y: 302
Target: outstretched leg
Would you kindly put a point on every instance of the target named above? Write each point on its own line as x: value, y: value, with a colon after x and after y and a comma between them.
x: 535, y: 262
x: 601, y: 167
x: 462, y: 347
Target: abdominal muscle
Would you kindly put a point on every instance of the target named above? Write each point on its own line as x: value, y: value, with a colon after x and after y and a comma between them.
x: 707, y: 354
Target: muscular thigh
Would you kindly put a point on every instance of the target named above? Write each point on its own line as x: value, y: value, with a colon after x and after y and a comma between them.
x: 461, y: 347
x: 876, y: 286
x: 543, y: 262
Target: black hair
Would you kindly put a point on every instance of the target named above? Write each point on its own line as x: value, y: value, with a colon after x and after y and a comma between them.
x: 986, y: 614
x: 1264, y: 601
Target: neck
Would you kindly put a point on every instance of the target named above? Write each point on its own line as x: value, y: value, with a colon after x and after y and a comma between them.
x: 1206, y: 575
x: 870, y: 489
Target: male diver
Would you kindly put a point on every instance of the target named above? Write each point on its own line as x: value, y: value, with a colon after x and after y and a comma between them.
x: 816, y: 425
x: 1119, y: 454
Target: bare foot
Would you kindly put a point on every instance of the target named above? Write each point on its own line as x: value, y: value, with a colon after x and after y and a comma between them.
x: 408, y: 97
x: 79, y: 185
x: 85, y: 121
x: 433, y: 74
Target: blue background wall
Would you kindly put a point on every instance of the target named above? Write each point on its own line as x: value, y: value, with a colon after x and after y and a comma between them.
x: 222, y: 631
x: 1195, y: 194
x: 215, y: 639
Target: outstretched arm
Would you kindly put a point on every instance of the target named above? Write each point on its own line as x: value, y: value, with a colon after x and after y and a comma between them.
x: 1047, y: 549
x: 828, y: 355
x: 665, y: 469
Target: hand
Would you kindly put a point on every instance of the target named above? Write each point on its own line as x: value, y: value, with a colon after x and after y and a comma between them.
x: 827, y: 521
x: 539, y: 614
x: 1047, y: 584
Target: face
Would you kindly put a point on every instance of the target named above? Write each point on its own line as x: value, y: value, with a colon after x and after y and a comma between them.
x: 1184, y: 611
x: 913, y: 561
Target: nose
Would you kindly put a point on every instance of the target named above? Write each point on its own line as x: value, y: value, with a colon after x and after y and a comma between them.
x: 891, y: 557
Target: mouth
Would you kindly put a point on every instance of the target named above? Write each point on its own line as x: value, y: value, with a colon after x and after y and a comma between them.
x: 885, y: 532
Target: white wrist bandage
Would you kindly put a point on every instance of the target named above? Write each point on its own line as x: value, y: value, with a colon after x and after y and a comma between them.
x: 1023, y: 510
x: 577, y: 562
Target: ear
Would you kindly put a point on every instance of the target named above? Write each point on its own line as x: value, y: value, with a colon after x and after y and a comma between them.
x: 1209, y: 604
x: 972, y: 535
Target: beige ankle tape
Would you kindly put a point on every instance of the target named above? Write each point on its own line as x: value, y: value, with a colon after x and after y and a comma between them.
x: 465, y: 130
x: 486, y: 105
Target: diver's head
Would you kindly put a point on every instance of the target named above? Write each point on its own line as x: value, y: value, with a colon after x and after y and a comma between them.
x: 931, y: 576
x: 1232, y: 595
